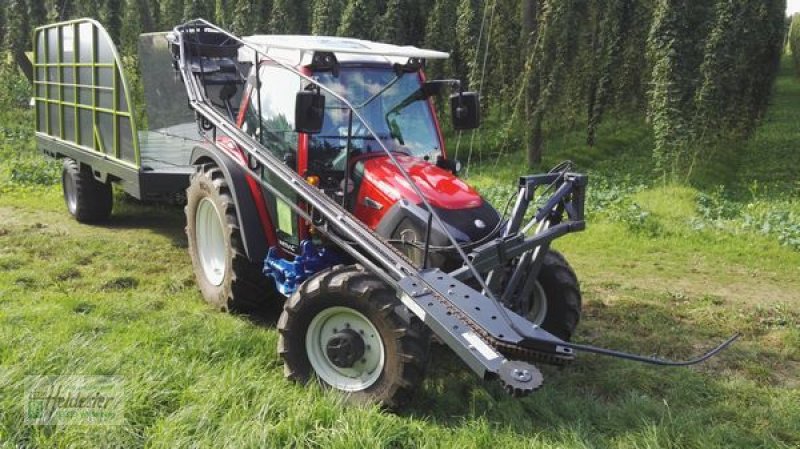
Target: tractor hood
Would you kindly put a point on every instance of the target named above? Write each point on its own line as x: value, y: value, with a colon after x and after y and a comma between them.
x: 440, y: 187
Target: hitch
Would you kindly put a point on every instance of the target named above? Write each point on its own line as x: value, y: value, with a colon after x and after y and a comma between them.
x: 289, y: 274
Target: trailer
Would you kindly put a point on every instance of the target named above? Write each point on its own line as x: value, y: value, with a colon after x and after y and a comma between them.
x: 86, y: 116
x: 315, y: 173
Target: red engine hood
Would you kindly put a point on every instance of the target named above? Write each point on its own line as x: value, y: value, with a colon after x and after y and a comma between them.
x: 384, y: 183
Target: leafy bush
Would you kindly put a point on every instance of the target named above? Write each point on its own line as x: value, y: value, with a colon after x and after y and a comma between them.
x: 605, y: 196
x: 638, y: 220
x: 775, y: 218
x: 716, y: 206
x: 34, y: 171
x: 16, y: 92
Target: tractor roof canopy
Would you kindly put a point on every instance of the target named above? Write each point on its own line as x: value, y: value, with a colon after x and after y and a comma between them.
x: 299, y: 49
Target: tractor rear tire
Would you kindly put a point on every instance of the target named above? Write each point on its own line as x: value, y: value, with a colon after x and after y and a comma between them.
x: 87, y: 199
x: 347, y: 302
x: 226, y: 277
x: 563, y: 295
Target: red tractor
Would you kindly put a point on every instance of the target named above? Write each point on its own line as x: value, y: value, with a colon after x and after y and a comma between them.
x: 345, y: 157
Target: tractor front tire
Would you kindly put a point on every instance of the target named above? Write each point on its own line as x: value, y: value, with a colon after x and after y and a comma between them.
x: 561, y: 292
x: 555, y: 301
x: 343, y: 328
x: 87, y: 199
x: 226, y: 277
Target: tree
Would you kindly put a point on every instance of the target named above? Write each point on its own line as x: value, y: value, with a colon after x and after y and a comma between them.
x: 529, y: 13
x: 18, y: 35
x: 325, y: 17
x: 172, y: 12
x: 794, y: 41
x: 468, y: 24
x: 113, y: 19
x: 503, y: 31
x: 288, y: 17
x: 195, y: 9
x: 223, y: 12
x: 440, y: 35
x: 401, y: 23
x: 245, y: 17
x: 63, y: 9
x: 2, y: 22
x: 154, y: 6
x: 610, y: 46
x: 146, y: 16
x: 131, y: 27
x: 666, y: 105
x: 38, y: 13
x: 358, y: 19
x: 554, y: 51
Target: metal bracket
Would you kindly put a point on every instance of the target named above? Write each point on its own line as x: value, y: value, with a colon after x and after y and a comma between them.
x: 452, y: 330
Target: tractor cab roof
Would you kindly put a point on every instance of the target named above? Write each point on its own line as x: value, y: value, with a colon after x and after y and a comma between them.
x: 298, y: 49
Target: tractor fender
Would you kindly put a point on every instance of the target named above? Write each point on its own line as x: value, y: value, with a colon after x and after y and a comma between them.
x: 251, y: 229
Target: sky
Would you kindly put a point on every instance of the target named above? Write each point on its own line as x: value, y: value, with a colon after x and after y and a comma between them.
x: 792, y: 6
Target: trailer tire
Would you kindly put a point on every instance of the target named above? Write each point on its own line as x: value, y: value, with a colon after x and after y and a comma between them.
x: 226, y: 277
x: 349, y: 294
x: 87, y: 199
x: 562, y: 293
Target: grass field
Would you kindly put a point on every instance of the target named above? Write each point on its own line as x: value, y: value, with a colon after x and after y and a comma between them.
x: 665, y: 269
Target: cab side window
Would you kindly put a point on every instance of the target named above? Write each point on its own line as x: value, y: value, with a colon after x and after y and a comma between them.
x: 276, y: 130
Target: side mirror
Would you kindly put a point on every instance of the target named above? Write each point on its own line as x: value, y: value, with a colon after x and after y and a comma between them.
x: 466, y: 110
x: 309, y: 112
x: 451, y: 165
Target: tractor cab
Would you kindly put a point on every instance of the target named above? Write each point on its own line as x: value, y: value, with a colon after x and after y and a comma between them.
x: 340, y: 147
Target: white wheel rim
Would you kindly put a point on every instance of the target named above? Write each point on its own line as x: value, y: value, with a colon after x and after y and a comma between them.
x: 538, y: 311
x: 210, y: 241
x: 364, y: 372
x: 70, y: 194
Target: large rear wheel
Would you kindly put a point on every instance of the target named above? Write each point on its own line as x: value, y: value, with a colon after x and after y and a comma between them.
x: 226, y: 277
x: 344, y: 328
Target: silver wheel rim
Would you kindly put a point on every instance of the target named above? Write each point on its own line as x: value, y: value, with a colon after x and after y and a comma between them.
x: 365, y: 372
x: 210, y: 241
x: 70, y: 193
x: 538, y: 310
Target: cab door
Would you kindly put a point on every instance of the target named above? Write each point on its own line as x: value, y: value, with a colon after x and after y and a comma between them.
x: 268, y: 116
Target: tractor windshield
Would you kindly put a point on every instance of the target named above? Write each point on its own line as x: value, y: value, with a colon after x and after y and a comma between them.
x: 392, y: 105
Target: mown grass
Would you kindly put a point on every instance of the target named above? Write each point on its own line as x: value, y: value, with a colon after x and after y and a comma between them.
x: 661, y: 272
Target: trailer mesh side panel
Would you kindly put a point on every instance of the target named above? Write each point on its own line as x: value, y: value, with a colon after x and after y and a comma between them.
x: 80, y: 90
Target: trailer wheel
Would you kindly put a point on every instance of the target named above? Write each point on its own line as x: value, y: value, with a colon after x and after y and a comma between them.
x: 87, y: 199
x: 342, y: 328
x: 226, y: 277
x: 555, y: 302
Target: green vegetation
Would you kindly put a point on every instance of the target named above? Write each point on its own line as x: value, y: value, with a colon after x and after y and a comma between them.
x: 665, y: 268
x: 696, y: 74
